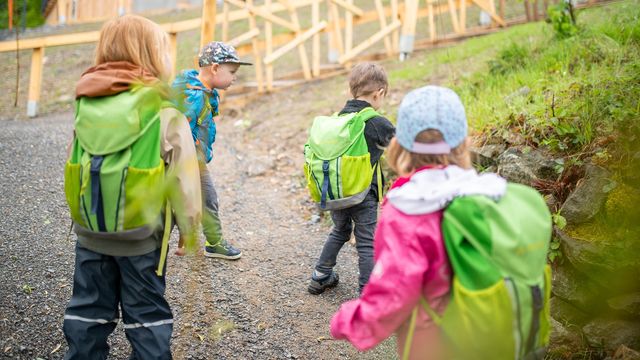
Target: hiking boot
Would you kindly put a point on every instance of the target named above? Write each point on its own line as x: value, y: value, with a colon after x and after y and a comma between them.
x: 222, y: 251
x: 318, y: 285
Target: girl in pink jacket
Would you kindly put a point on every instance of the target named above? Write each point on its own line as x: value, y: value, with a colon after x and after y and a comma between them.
x: 430, y: 153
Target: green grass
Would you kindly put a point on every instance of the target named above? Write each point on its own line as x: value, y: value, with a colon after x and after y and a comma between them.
x: 569, y: 95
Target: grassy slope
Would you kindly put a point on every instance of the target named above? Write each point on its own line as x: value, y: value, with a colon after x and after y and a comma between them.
x: 581, y: 90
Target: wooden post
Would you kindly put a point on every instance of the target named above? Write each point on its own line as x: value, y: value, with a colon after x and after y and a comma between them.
x: 208, y: 28
x: 535, y: 10
x: 383, y: 24
x: 121, y: 8
x: 173, y: 52
x: 268, y: 31
x: 336, y: 44
x: 62, y: 12
x: 35, y: 81
x: 492, y: 13
x: 257, y: 60
x: 348, y: 29
x: 315, y: 48
x: 395, y: 36
x: 463, y: 16
x: 527, y: 10
x: 409, y: 28
x: 545, y: 5
x: 454, y: 16
x: 432, y: 23
x: 302, y: 52
x: 502, y: 6
x: 225, y: 21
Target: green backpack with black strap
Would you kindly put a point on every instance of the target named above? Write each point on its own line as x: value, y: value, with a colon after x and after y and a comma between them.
x: 499, y: 302
x: 114, y: 178
x: 337, y: 160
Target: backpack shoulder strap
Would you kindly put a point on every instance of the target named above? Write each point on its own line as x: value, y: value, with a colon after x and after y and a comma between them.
x: 367, y: 113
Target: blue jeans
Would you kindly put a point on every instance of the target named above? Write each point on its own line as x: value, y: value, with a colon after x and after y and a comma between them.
x: 362, y: 220
x: 101, y: 285
x: 211, y: 225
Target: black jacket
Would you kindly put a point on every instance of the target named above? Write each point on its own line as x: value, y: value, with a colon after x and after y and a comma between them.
x: 378, y: 132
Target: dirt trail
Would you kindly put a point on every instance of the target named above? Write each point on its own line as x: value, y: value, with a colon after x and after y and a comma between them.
x: 258, y: 307
x: 254, y: 308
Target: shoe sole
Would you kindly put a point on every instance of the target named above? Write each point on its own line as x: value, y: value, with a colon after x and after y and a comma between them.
x: 314, y: 290
x: 221, y: 256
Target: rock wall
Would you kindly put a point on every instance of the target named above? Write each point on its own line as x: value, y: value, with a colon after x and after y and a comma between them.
x: 595, y: 302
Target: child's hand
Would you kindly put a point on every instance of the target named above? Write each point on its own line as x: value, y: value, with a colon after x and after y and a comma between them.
x: 180, y: 251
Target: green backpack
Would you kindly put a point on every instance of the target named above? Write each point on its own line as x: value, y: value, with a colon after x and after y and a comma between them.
x: 114, y: 179
x: 499, y: 305
x: 337, y: 161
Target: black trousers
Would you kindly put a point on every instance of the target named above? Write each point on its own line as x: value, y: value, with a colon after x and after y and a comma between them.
x: 104, y: 284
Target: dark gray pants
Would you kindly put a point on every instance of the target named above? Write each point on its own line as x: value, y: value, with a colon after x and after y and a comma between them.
x: 211, y: 224
x: 362, y: 220
x: 101, y: 284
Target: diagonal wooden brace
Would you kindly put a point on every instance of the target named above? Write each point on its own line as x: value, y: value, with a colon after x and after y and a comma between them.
x: 264, y: 14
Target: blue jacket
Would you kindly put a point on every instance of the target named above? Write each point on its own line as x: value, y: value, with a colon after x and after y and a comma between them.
x: 199, y: 104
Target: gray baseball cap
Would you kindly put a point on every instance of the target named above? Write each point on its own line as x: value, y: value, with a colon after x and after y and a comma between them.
x: 217, y: 52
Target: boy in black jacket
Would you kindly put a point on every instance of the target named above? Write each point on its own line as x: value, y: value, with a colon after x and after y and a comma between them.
x: 368, y: 84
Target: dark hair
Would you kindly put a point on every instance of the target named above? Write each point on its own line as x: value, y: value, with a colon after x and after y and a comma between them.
x: 366, y: 78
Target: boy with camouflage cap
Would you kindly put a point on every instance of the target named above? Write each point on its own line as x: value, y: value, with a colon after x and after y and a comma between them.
x: 198, y: 93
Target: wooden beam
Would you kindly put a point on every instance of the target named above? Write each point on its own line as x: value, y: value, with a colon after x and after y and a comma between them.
x: 348, y: 29
x: 256, y: 50
x: 173, y: 53
x: 259, y: 11
x: 395, y: 13
x: 407, y: 38
x: 492, y: 12
x: 349, y: 7
x: 295, y: 42
x: 315, y: 45
x: 225, y: 21
x: 208, y: 28
x: 383, y: 24
x: 463, y: 16
x: 454, y: 16
x: 268, y: 30
x: 370, y: 41
x: 236, y: 41
x: 432, y: 24
x: 337, y: 26
x: 35, y: 81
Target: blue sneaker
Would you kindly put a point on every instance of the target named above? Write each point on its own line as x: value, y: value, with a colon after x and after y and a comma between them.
x: 223, y: 251
x: 318, y: 285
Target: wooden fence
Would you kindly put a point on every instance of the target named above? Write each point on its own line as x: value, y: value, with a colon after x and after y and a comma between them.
x: 397, y: 31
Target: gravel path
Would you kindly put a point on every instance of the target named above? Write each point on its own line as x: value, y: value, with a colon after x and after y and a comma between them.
x: 254, y: 308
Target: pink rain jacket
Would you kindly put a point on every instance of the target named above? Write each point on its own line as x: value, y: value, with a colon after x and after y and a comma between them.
x: 411, y: 262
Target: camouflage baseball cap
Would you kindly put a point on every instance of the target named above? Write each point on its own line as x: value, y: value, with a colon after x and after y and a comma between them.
x: 217, y: 52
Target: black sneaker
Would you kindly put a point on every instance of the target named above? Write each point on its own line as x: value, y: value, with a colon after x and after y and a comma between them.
x: 318, y: 285
x: 222, y: 251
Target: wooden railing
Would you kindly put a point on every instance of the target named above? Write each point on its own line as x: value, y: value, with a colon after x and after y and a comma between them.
x: 397, y: 23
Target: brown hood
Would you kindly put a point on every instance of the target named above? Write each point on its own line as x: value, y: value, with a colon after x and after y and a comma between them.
x: 112, y: 78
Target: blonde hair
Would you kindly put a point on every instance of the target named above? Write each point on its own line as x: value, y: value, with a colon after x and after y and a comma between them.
x: 404, y: 162
x: 137, y: 40
x: 366, y: 78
